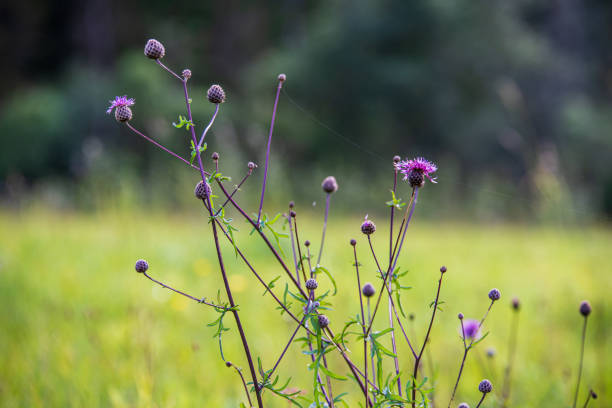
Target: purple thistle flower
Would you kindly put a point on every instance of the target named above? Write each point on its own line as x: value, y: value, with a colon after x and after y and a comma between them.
x: 419, y: 165
x: 120, y: 101
x: 471, y: 328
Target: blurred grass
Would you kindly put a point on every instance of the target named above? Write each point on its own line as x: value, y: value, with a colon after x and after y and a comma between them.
x: 80, y: 328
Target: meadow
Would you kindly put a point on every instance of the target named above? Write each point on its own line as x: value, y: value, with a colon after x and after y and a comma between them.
x: 80, y: 328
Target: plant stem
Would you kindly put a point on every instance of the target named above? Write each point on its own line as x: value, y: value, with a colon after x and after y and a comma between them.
x: 414, y: 197
x: 287, y: 346
x: 327, y: 199
x: 482, y: 399
x: 329, y: 387
x: 365, y: 340
x: 212, y: 120
x: 581, y: 360
x: 263, y: 188
x: 235, y: 190
x: 293, y: 251
x: 372, y: 357
x: 511, y: 353
x: 418, y: 359
x: 391, y: 218
x: 183, y: 293
x: 465, y: 351
x: 588, y: 399
x: 246, y: 390
x: 297, y: 238
x: 312, y: 358
x: 170, y: 71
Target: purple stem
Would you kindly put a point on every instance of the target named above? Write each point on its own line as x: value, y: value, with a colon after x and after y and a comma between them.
x: 418, y: 359
x: 581, y: 360
x: 391, y: 221
x: 235, y: 190
x: 212, y: 120
x: 372, y: 357
x: 327, y: 199
x: 312, y: 358
x: 184, y: 294
x: 365, y: 340
x: 329, y: 387
x: 170, y: 71
x: 246, y: 390
x: 287, y: 346
x: 511, y: 352
x: 482, y: 399
x: 263, y: 188
x: 458, y: 376
x: 414, y: 201
x: 297, y: 238
x: 293, y: 251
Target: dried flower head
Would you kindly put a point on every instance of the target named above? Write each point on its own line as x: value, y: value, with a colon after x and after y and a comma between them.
x: 123, y: 114
x: 415, y: 170
x: 368, y: 290
x: 311, y: 284
x: 154, y: 49
x: 202, y: 190
x: 485, y: 386
x: 141, y: 266
x: 120, y: 101
x: 216, y: 94
x: 471, y: 328
x: 368, y: 227
x: 323, y: 321
x: 494, y: 294
x: 330, y: 185
x: 186, y: 73
x: 585, y: 308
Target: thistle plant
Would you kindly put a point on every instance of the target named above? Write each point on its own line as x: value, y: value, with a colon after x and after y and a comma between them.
x: 309, y: 285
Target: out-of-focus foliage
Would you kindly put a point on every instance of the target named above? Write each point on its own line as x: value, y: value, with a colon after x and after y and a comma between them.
x: 512, y: 99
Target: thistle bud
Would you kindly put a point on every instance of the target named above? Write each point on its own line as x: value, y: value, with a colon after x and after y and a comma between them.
x: 353, y: 242
x: 228, y: 364
x: 216, y: 94
x: 291, y: 204
x: 443, y: 269
x: 416, y: 178
x: 368, y: 290
x: 292, y: 214
x: 494, y: 294
x: 123, y: 113
x: 186, y: 73
x: 585, y: 308
x: 460, y: 316
x: 251, y: 165
x: 282, y: 77
x: 154, y: 49
x: 215, y: 156
x: 368, y: 227
x: 307, y: 243
x: 311, y: 284
x: 485, y: 386
x: 330, y: 185
x: 323, y: 321
x: 202, y: 190
x: 141, y: 266
x: 396, y: 159
x: 515, y: 303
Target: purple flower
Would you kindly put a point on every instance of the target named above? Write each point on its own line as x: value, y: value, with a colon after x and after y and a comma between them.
x: 471, y: 329
x: 120, y: 101
x: 419, y: 165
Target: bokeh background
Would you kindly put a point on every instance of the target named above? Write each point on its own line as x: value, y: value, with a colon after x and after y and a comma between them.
x: 513, y: 101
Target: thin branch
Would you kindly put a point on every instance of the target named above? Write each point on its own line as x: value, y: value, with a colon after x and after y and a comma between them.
x: 185, y: 294
x: 327, y: 199
x: 239, y: 371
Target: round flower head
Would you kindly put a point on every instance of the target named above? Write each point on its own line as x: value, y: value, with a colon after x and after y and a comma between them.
x: 414, y: 170
x: 251, y: 165
x: 120, y: 102
x: 141, y: 266
x: 396, y: 159
x: 494, y: 294
x: 311, y: 284
x: 368, y: 290
x: 123, y: 114
x: 215, y: 94
x: 282, y: 77
x: 353, y: 242
x: 460, y: 316
x: 585, y: 308
x: 485, y: 386
x: 202, y: 190
x: 330, y: 185
x: 323, y: 321
x: 490, y: 352
x: 307, y: 243
x: 154, y: 49
x: 215, y: 156
x: 471, y: 328
x: 463, y: 405
x: 186, y: 73
x: 368, y: 227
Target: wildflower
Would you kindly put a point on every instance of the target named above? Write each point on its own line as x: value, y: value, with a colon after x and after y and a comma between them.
x: 368, y: 290
x: 494, y: 294
x: 368, y: 227
x: 215, y: 156
x: 415, y: 170
x: 202, y: 190
x: 186, y: 73
x: 282, y: 77
x: 251, y: 165
x: 215, y: 94
x: 353, y: 242
x: 471, y: 329
x: 311, y: 284
x: 141, y: 266
x: 120, y: 101
x: 585, y: 308
x: 154, y: 49
x: 485, y: 386
x: 323, y: 321
x: 443, y: 269
x: 330, y: 185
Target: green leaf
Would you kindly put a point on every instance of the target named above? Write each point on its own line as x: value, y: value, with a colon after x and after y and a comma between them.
x: 328, y: 373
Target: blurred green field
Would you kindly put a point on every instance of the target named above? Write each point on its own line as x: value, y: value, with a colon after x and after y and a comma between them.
x: 80, y: 328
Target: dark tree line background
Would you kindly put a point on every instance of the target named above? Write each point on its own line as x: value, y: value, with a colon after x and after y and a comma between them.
x: 512, y: 99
